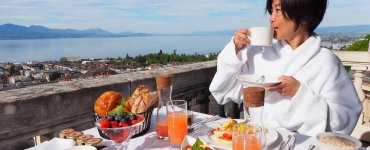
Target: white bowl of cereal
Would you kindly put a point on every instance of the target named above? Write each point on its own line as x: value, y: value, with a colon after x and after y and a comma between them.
x: 337, y: 141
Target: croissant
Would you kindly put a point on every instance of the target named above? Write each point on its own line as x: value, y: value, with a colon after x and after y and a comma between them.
x: 107, y: 102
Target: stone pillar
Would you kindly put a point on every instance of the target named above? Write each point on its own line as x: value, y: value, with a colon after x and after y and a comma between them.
x: 362, y: 128
x: 358, y: 76
x: 366, y: 103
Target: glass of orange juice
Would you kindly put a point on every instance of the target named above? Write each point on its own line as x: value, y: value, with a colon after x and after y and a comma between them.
x: 248, y: 137
x: 177, y: 122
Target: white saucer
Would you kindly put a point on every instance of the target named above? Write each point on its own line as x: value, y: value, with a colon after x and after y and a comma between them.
x: 253, y: 80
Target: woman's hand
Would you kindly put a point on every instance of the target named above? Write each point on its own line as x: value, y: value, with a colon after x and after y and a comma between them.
x: 288, y: 87
x: 241, y: 39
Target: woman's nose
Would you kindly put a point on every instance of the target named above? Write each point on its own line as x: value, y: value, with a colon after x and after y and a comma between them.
x: 272, y: 17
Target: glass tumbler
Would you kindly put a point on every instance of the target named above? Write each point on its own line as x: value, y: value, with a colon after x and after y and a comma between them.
x: 177, y: 122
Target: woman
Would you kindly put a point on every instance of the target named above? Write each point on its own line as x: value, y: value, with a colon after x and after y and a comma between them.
x: 315, y: 94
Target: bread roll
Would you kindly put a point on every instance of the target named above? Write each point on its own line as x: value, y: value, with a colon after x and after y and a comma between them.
x: 142, y: 99
x: 154, y: 98
x: 141, y: 108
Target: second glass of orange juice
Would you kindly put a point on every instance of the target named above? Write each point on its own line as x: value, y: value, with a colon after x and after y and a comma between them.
x: 247, y: 137
x: 177, y: 122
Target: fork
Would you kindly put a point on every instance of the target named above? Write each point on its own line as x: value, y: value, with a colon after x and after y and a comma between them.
x: 213, y: 118
x: 194, y: 131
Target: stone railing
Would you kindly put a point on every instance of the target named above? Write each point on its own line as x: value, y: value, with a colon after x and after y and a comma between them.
x: 360, y: 65
x: 46, y: 109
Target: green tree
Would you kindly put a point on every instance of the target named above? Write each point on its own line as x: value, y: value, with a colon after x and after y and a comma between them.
x: 361, y: 45
x: 63, y: 60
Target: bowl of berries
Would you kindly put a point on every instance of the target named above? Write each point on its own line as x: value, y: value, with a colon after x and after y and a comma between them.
x: 119, y: 128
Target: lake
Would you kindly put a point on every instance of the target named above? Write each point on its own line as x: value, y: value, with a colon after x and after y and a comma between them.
x: 53, y: 49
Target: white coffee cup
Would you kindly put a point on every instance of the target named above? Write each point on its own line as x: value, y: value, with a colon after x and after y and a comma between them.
x: 261, y: 36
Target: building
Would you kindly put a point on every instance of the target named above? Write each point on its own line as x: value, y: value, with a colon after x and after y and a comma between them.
x: 17, y: 79
x: 73, y: 58
x: 4, y: 77
x: 99, y: 72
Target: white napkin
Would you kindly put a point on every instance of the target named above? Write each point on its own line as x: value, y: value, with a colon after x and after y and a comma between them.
x: 54, y: 144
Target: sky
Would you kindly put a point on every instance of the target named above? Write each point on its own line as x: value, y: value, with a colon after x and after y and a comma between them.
x: 163, y: 16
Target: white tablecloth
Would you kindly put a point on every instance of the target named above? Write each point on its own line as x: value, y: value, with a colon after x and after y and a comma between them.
x: 149, y: 140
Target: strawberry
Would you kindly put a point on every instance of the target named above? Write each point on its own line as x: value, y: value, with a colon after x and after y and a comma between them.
x: 104, y: 123
x: 139, y: 119
x: 133, y: 122
x: 114, y: 124
x: 227, y: 135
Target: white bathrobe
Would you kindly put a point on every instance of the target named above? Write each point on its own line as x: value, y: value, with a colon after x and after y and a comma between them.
x: 325, y: 101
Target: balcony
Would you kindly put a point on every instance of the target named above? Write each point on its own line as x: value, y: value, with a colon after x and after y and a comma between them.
x: 360, y: 66
x: 46, y: 109
x: 42, y: 111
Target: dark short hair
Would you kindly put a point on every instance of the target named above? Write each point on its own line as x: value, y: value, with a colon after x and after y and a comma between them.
x: 310, y: 11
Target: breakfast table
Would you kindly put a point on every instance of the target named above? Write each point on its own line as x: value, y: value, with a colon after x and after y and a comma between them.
x: 149, y: 140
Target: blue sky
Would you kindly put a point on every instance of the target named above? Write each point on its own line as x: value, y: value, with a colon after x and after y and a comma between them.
x: 163, y: 16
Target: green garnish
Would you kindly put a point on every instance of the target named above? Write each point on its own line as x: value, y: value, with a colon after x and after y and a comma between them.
x: 198, y: 145
x: 123, y: 102
x: 116, y: 111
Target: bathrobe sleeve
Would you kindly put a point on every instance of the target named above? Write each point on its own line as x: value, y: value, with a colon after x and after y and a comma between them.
x: 326, y: 102
x: 224, y: 86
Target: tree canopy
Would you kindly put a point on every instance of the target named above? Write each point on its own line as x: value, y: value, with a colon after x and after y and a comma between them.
x: 361, y: 45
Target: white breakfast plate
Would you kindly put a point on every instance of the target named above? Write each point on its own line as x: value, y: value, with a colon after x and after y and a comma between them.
x: 82, y: 147
x: 251, y: 80
x: 271, y: 136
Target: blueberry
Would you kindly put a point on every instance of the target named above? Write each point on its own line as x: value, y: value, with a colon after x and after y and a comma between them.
x: 110, y: 118
x: 125, y: 120
x: 134, y: 117
x: 118, y: 117
x: 104, y: 118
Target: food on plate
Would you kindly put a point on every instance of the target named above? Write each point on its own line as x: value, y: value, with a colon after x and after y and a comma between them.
x: 337, y: 141
x: 74, y: 135
x: 107, y: 102
x: 64, y: 133
x: 83, y: 139
x: 198, y: 145
x: 94, y: 142
x: 224, y: 132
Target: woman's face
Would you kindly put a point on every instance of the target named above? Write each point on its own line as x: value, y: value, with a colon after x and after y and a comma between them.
x: 284, y: 29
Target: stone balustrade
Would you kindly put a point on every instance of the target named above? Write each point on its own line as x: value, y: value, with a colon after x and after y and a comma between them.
x: 360, y: 65
x: 46, y: 109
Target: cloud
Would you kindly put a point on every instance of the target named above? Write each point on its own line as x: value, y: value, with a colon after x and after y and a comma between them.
x: 159, y: 15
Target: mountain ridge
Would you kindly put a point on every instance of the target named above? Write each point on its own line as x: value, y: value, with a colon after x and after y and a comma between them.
x: 11, y: 31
